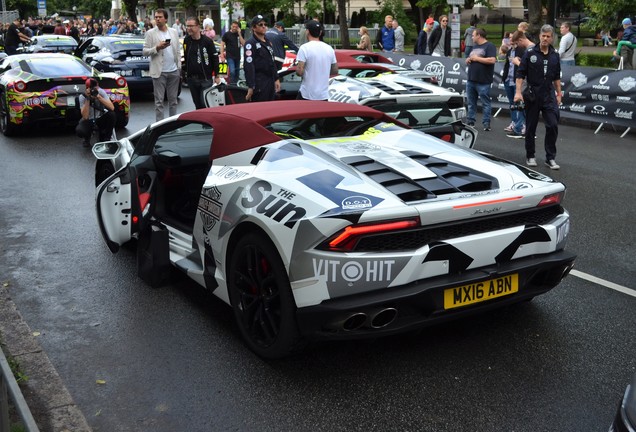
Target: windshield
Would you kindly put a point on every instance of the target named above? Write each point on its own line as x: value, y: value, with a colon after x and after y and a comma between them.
x: 55, y: 67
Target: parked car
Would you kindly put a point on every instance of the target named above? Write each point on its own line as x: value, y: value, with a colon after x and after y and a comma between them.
x: 49, y: 43
x: 122, y: 54
x: 327, y: 220
x: 421, y: 105
x: 46, y: 87
x: 625, y: 419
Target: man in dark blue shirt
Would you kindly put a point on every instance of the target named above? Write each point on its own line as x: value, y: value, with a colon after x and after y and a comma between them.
x: 481, y: 67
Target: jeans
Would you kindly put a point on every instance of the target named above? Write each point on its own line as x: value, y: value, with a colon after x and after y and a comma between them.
x: 467, y: 51
x: 233, y: 66
x: 166, y: 84
x: 473, y: 90
x: 568, y: 63
x: 518, y: 117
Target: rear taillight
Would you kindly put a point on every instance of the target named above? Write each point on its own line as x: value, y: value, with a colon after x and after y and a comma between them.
x: 347, y: 239
x: 446, y: 137
x: 20, y: 86
x: 121, y: 82
x: 551, y: 199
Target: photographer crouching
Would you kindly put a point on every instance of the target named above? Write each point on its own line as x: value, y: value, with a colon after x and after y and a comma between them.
x: 97, y: 111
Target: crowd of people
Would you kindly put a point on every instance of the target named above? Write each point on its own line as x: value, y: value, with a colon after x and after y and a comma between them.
x: 532, y: 86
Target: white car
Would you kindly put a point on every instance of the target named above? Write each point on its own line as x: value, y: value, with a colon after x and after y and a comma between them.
x: 421, y: 105
x: 327, y: 220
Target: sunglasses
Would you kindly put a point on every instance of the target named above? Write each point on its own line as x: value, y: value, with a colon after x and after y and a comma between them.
x: 261, y: 25
x: 444, y: 20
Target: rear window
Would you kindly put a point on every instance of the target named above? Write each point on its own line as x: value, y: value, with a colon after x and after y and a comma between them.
x: 126, y: 45
x: 54, y: 67
x: 57, y: 42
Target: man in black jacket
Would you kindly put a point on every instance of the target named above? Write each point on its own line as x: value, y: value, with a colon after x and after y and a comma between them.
x: 439, y: 41
x: 201, y: 61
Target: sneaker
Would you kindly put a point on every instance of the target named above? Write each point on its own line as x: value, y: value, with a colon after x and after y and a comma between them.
x: 471, y: 123
x: 552, y: 164
x: 532, y: 162
x: 510, y: 128
x: 516, y: 135
x: 487, y: 127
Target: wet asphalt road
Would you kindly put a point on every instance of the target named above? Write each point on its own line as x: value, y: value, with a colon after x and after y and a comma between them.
x: 172, y: 360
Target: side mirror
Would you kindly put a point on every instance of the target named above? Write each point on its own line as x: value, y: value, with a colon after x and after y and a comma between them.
x: 107, y: 149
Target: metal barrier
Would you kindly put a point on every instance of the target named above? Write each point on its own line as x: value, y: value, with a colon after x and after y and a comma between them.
x: 332, y: 33
x: 9, y: 388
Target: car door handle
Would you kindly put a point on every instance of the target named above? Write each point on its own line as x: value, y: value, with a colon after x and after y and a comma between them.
x: 112, y: 188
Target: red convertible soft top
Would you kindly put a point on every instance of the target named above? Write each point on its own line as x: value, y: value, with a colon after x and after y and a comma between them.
x: 242, y: 126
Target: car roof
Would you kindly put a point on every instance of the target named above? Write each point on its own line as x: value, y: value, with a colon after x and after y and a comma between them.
x: 350, y: 54
x: 244, y: 124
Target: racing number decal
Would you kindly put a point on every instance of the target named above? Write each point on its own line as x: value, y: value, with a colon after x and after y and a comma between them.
x: 223, y: 68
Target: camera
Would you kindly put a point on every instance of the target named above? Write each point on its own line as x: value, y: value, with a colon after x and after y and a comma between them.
x: 518, y: 106
x: 91, y: 84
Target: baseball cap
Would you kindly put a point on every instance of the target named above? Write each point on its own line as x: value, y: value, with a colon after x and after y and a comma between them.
x: 627, y: 21
x: 314, y: 28
x: 257, y: 19
x: 430, y: 21
x: 279, y: 24
x: 65, y: 22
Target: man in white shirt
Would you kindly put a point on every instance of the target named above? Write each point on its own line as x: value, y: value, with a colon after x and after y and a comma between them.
x: 567, y: 46
x: 316, y: 63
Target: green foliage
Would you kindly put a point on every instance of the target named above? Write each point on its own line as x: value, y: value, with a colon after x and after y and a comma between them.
x: 313, y: 7
x: 394, y: 8
x: 606, y: 14
x: 25, y: 7
x: 596, y: 60
x: 263, y: 7
x: 20, y: 376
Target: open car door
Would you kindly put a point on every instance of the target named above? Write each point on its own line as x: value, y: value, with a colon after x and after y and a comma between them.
x: 125, y: 201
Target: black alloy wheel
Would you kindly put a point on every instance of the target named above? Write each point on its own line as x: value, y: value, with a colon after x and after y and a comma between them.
x: 261, y: 297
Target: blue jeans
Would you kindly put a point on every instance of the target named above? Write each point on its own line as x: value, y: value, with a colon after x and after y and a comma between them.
x: 474, y: 89
x: 517, y: 117
x: 568, y: 62
x: 233, y: 66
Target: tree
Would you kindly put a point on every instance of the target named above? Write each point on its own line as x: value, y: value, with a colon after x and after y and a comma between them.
x: 534, y: 17
x: 344, y: 28
x: 130, y: 6
x: 264, y: 7
x: 608, y: 13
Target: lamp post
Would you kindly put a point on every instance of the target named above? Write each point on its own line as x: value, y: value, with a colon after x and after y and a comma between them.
x: 74, y: 11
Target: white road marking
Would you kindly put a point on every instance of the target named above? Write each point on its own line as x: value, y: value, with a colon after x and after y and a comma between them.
x: 608, y: 284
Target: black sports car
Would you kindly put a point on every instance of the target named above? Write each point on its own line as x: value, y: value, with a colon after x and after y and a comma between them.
x: 120, y: 54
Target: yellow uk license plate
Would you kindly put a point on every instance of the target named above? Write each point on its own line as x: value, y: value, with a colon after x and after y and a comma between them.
x: 480, y: 291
